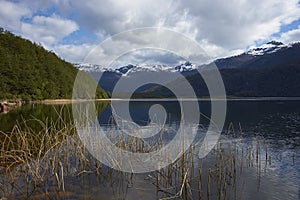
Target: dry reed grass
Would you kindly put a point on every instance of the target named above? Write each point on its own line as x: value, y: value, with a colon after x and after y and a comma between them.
x: 41, y: 160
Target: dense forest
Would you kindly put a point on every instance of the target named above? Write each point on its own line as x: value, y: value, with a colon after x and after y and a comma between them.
x: 29, y: 72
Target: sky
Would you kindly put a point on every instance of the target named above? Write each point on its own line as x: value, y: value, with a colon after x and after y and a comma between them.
x: 73, y: 28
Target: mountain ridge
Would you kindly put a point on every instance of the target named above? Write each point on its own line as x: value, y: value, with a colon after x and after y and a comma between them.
x: 273, y: 58
x: 273, y: 74
x: 269, y: 47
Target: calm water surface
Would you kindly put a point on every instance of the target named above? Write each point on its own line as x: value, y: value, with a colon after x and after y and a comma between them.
x: 274, y: 123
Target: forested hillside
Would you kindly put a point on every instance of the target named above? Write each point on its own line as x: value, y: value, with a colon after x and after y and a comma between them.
x: 28, y: 71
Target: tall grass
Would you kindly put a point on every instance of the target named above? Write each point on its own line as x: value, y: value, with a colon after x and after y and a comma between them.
x: 38, y: 164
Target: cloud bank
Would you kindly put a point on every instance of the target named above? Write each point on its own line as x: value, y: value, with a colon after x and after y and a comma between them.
x: 72, y: 27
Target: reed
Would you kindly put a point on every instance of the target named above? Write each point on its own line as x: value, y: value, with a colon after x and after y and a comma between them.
x: 43, y: 162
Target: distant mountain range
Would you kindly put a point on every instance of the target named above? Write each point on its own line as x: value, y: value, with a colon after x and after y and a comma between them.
x: 272, y: 69
x: 109, y: 77
x: 129, y: 69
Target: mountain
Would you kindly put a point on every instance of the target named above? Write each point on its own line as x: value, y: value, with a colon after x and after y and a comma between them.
x: 272, y: 70
x: 109, y: 76
x: 87, y: 67
x: 130, y: 69
x: 267, y: 55
x: 28, y: 71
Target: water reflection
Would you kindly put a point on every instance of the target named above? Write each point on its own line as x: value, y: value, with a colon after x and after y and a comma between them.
x: 257, y: 156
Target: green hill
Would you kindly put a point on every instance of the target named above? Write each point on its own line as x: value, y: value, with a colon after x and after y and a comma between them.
x: 29, y: 72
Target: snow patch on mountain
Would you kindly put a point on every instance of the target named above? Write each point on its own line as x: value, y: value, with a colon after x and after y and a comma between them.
x: 270, y: 47
x: 129, y: 69
x: 88, y: 67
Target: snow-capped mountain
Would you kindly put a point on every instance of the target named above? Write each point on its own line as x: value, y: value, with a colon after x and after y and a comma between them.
x: 271, y: 55
x: 109, y: 76
x: 185, y: 67
x: 88, y: 67
x: 270, y: 47
x: 130, y: 69
x: 272, y: 70
x: 188, y: 67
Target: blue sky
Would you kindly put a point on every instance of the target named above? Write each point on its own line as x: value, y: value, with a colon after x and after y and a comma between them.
x: 72, y: 28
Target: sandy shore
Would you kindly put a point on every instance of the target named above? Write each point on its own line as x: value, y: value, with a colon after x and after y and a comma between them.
x: 69, y: 101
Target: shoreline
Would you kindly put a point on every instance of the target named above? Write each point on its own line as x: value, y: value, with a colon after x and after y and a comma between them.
x: 69, y: 101
x: 8, y: 105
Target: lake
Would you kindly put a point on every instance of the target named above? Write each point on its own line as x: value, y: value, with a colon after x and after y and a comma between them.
x: 257, y: 155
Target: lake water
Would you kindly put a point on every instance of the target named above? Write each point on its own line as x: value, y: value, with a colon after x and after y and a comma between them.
x: 265, y: 135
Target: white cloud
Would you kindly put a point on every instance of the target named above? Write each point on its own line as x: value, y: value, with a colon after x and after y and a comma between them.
x: 235, y: 24
x: 291, y: 36
x: 114, y: 16
x: 73, y: 53
x: 221, y: 27
x: 154, y: 40
x: 11, y: 14
x: 48, y: 30
x: 214, y: 51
